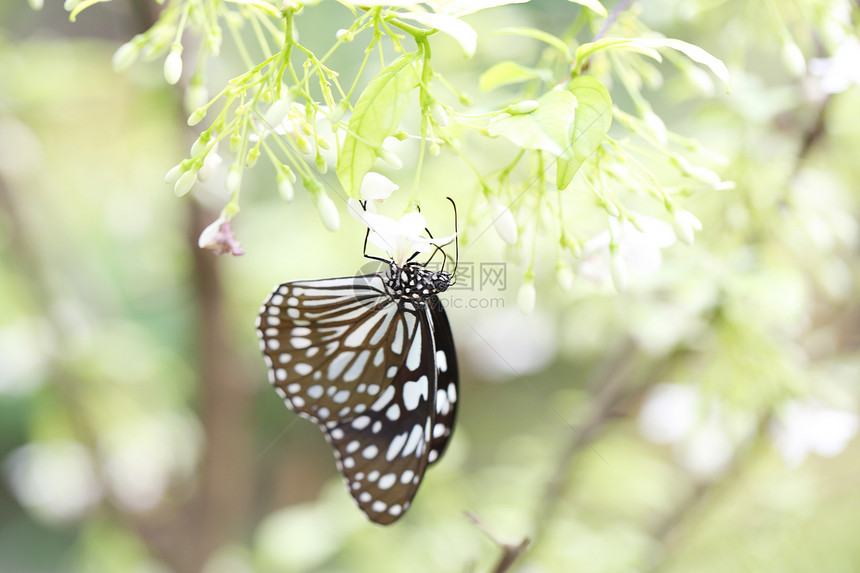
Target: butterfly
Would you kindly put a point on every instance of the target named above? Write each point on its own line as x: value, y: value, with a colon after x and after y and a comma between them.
x: 370, y: 359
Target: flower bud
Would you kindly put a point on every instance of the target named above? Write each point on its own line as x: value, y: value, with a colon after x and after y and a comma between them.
x: 523, y: 107
x: 196, y: 116
x: 235, y: 141
x: 344, y: 35
x: 611, y: 208
x: 322, y: 166
x: 276, y: 113
x: 126, y: 55
x: 185, y: 183
x: 702, y: 174
x: 685, y: 224
x: 37, y: 4
x: 175, y: 172
x: 234, y: 179
x: 285, y: 186
x: 526, y: 297
x: 210, y: 164
x: 200, y: 143
x: 302, y: 144
x: 251, y: 158
x: 437, y: 112
x: 173, y: 65
x: 434, y: 149
x: 503, y: 221
x: 328, y: 211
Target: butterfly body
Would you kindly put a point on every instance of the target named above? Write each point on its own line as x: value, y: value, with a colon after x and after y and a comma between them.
x: 370, y: 359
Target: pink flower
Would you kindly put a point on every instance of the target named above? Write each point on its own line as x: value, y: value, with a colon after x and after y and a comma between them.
x: 218, y: 237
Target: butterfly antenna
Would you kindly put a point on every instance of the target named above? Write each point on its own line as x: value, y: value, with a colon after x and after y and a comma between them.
x: 456, y: 239
x: 366, y: 236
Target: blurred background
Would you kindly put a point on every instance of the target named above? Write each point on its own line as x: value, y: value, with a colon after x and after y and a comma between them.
x: 704, y: 420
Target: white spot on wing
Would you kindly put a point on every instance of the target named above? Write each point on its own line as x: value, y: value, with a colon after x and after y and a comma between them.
x: 395, y: 446
x: 383, y: 399
x: 441, y: 361
x: 357, y: 367
x: 414, y: 391
x: 386, y: 481
x: 415, y: 437
x: 339, y: 363
x: 413, y: 359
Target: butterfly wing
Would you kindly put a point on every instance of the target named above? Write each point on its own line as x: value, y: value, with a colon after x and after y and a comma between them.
x: 345, y: 354
x: 383, y: 453
x: 448, y: 377
x: 329, y: 344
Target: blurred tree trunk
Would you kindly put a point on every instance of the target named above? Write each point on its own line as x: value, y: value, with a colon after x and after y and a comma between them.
x: 218, y: 510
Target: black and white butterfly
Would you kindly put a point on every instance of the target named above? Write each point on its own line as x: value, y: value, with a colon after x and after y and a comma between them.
x: 370, y: 359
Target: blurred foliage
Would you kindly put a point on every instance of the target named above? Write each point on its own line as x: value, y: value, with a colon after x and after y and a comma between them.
x: 703, y: 420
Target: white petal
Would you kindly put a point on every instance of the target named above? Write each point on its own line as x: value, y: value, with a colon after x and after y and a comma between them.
x: 376, y: 187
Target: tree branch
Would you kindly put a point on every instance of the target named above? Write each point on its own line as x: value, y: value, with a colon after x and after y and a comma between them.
x: 510, y: 552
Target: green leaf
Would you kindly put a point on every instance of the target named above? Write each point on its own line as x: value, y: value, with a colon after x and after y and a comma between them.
x: 506, y: 73
x: 648, y: 47
x: 553, y: 41
x: 548, y: 127
x: 585, y: 51
x: 695, y: 53
x: 593, y: 118
x: 593, y: 5
x: 464, y: 7
x: 451, y: 25
x: 377, y: 115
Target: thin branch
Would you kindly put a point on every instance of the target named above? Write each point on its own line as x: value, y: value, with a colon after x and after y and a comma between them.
x: 613, y: 16
x: 510, y: 552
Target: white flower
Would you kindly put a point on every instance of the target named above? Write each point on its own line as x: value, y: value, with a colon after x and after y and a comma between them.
x: 840, y: 71
x: 809, y: 428
x: 377, y: 187
x: 702, y: 433
x: 400, y: 239
x: 636, y: 251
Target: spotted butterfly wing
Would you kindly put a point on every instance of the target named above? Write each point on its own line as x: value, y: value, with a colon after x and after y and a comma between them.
x: 359, y: 357
x: 447, y: 376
